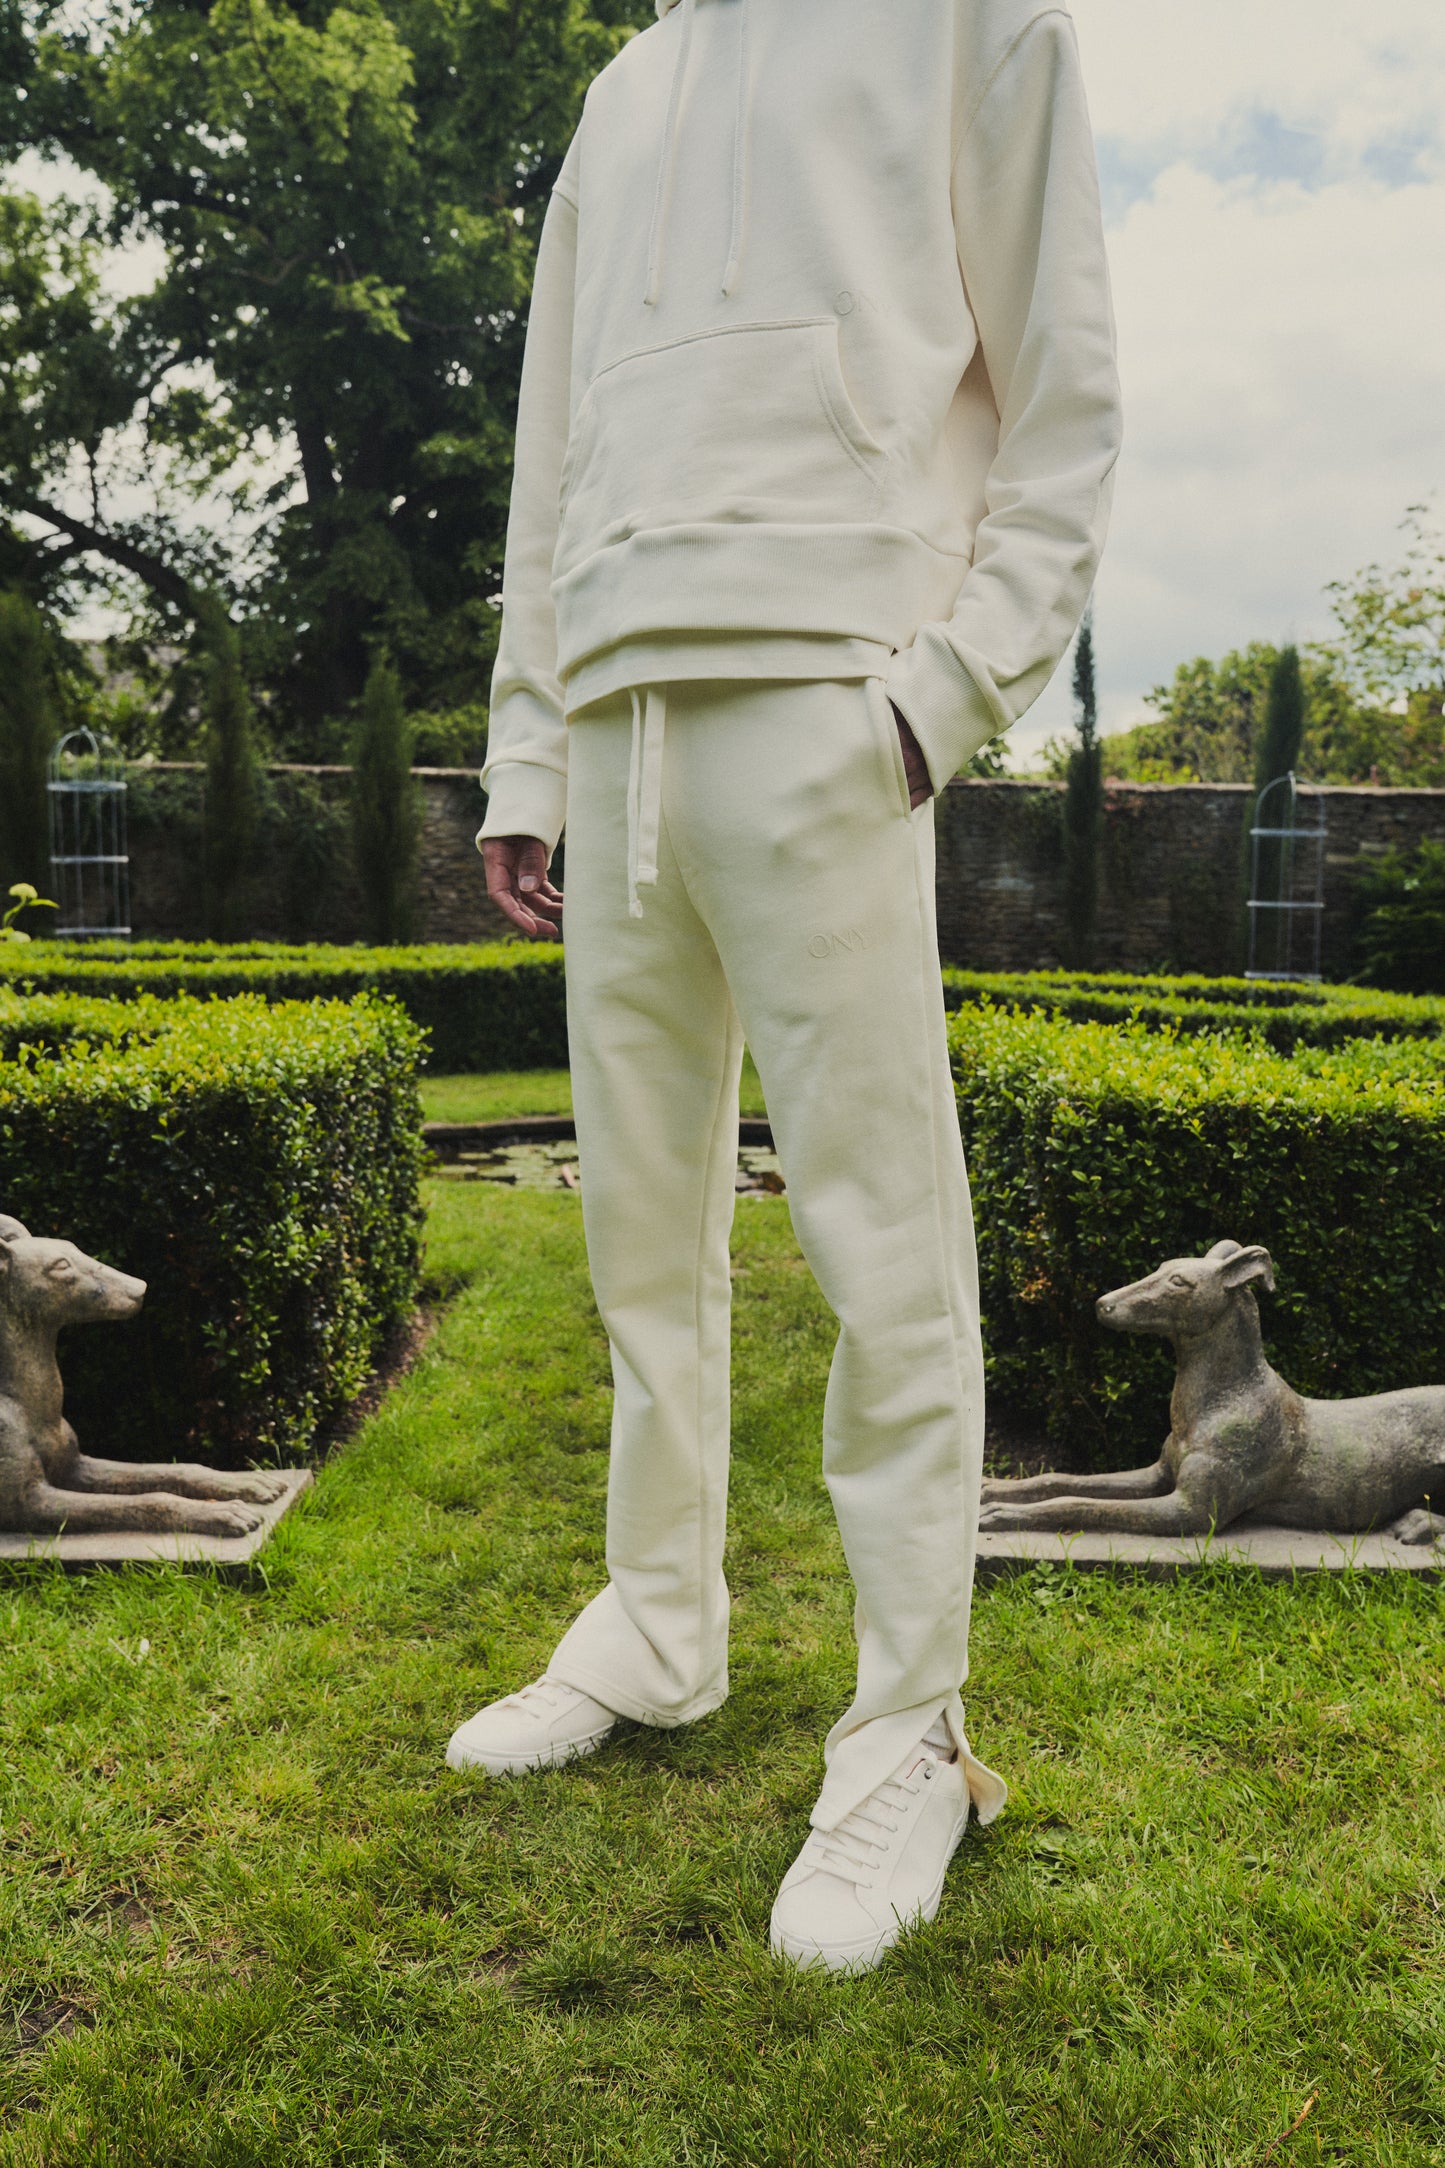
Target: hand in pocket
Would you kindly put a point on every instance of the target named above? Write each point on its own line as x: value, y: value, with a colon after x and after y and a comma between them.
x: 915, y: 767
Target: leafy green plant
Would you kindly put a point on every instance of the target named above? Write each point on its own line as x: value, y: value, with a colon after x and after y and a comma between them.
x: 25, y: 900
x: 1096, y: 1151
x: 1400, y: 941
x: 257, y: 1165
x: 385, y: 810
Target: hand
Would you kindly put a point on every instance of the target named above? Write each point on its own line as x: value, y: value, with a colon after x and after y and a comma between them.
x: 517, y: 883
x: 915, y: 767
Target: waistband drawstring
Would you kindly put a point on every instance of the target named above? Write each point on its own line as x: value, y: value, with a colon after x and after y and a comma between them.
x: 644, y: 793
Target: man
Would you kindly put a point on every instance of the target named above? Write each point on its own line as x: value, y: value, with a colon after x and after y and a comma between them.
x: 818, y: 420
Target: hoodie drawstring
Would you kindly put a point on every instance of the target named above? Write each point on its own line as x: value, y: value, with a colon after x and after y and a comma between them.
x: 741, y: 119
x: 667, y: 158
x: 661, y: 195
x: 644, y: 792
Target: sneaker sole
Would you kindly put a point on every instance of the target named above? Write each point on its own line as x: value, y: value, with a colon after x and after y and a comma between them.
x: 862, y: 1956
x: 518, y: 1765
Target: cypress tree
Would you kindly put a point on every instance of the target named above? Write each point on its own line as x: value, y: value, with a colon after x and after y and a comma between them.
x: 1083, y: 808
x: 1277, y: 755
x: 385, y: 815
x: 232, y: 775
x: 1284, y: 720
x: 27, y: 733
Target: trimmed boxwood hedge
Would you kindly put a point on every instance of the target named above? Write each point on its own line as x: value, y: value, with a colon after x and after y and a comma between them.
x: 492, y: 1005
x: 1097, y: 1151
x: 502, y: 1005
x: 1284, y: 1016
x: 258, y: 1165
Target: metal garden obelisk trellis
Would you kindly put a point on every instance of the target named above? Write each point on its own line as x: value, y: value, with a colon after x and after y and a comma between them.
x: 1286, y: 886
x: 89, y: 863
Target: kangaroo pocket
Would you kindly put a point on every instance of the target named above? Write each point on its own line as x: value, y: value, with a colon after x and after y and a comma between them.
x: 752, y: 423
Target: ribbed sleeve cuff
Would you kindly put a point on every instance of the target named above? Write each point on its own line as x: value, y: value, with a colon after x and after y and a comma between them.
x: 524, y: 799
x: 943, y: 706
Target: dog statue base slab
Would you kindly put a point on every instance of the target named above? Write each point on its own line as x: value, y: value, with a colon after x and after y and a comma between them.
x: 93, y: 1553
x: 48, y: 1487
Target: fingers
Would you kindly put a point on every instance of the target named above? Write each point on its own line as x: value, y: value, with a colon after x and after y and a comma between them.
x: 517, y: 883
x: 915, y: 767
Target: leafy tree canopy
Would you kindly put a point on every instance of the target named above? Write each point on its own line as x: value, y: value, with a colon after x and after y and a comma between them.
x: 312, y: 405
x: 1374, y: 694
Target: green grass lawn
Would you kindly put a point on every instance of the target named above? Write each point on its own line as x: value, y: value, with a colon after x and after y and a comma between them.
x: 533, y: 1091
x: 248, y: 1918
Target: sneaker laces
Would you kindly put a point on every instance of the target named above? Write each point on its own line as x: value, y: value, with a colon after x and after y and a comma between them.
x: 551, y: 1695
x: 849, y: 1851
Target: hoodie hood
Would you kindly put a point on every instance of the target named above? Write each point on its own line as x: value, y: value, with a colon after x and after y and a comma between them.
x: 663, y: 6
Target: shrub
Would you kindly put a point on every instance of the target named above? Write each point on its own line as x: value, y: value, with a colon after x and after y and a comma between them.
x: 385, y: 810
x: 1083, y: 806
x: 502, y: 1005
x: 1096, y: 1151
x: 27, y: 729
x: 232, y: 771
x: 257, y: 1165
x: 1282, y: 1015
x: 1401, y: 937
x: 495, y: 1005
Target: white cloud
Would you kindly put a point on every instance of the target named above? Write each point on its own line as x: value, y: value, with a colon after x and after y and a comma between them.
x: 1276, y: 184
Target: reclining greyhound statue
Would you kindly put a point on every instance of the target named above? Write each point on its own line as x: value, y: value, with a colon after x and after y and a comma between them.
x: 1242, y: 1444
x: 46, y: 1483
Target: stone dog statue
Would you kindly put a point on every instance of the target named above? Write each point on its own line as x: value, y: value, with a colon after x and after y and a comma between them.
x: 1242, y: 1444
x: 46, y: 1483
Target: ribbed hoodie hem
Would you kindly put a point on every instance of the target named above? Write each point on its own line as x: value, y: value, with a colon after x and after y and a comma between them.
x: 864, y: 582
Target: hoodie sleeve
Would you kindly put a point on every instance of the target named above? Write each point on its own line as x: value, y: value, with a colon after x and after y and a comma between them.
x: 1031, y: 250
x: 526, y: 766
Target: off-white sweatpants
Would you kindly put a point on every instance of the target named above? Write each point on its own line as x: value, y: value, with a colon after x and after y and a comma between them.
x: 792, y: 904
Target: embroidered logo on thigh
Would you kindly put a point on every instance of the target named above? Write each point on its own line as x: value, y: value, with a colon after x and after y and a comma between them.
x: 823, y: 945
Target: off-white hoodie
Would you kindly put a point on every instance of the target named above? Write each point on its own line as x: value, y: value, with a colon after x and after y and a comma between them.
x: 819, y: 377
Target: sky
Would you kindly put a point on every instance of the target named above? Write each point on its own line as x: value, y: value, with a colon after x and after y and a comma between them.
x: 1273, y: 174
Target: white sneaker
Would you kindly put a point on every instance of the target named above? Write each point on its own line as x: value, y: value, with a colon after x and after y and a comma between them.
x: 545, y: 1724
x: 852, y: 1890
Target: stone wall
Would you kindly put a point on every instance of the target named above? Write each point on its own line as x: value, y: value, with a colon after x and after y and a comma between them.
x: 1170, y: 871
x: 305, y: 885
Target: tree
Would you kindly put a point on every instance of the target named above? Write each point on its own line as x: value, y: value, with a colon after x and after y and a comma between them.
x: 385, y: 814
x: 1374, y: 695
x: 1277, y: 757
x: 232, y: 777
x: 1083, y: 807
x: 1284, y: 716
x: 1390, y: 648
x: 1391, y: 639
x: 27, y: 732
x: 346, y: 201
